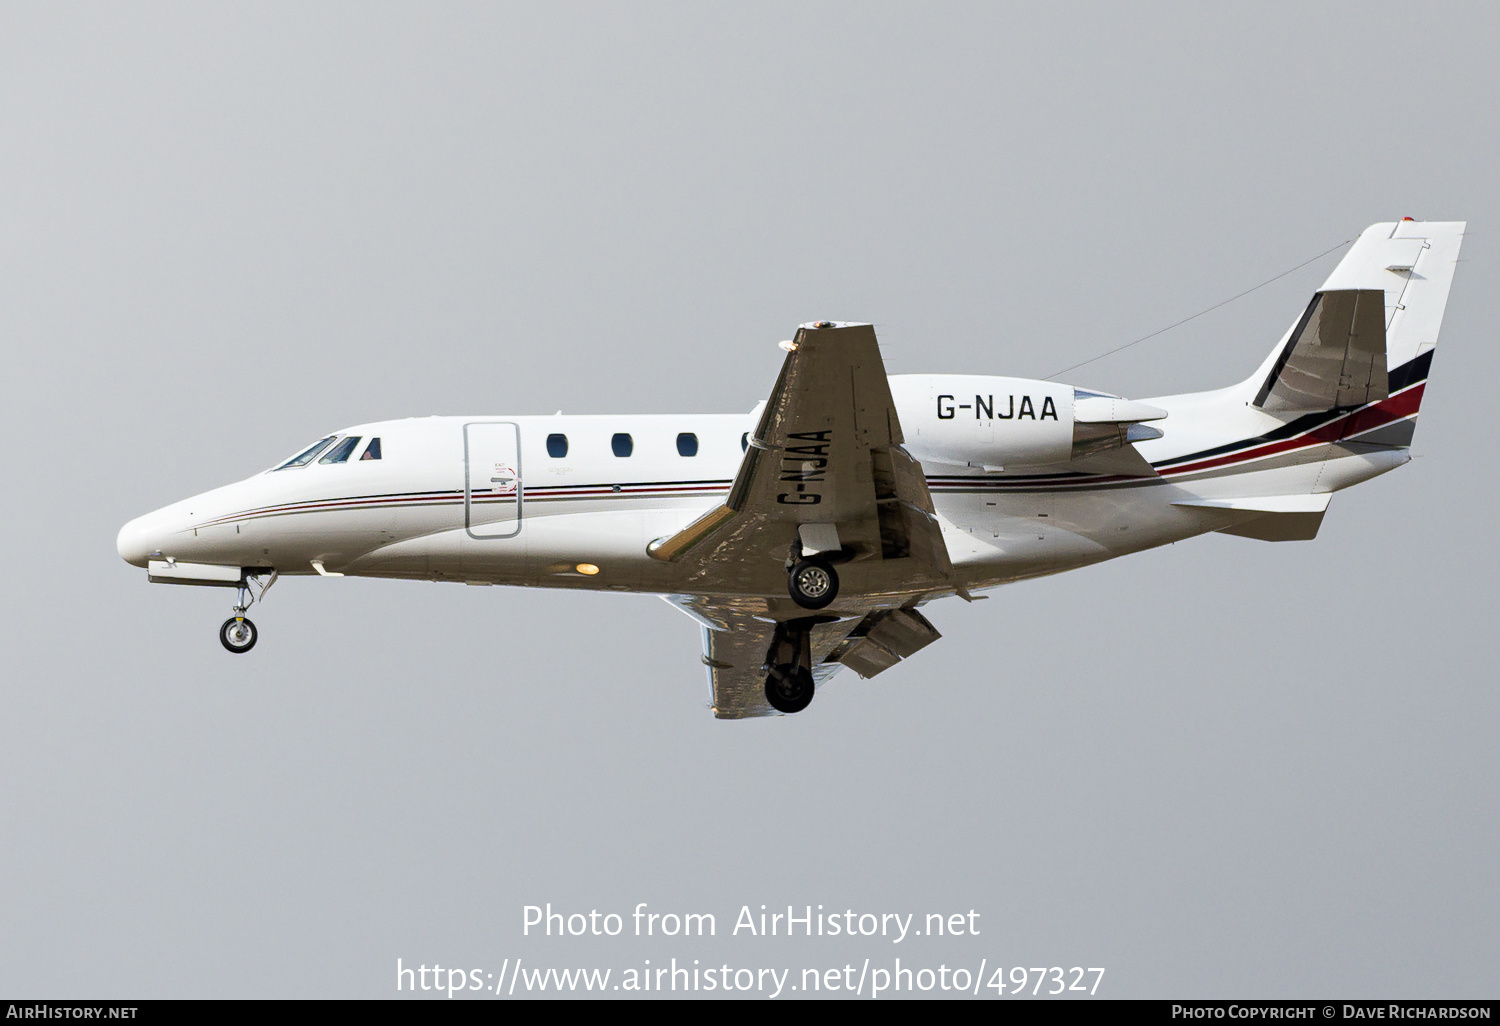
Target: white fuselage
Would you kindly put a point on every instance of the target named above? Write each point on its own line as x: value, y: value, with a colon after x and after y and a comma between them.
x: 482, y: 500
x: 804, y: 536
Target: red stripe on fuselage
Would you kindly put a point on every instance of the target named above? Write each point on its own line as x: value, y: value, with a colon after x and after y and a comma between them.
x: 1402, y: 404
x: 1397, y: 407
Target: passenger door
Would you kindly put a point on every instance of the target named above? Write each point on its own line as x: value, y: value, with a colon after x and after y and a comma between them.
x: 492, y: 480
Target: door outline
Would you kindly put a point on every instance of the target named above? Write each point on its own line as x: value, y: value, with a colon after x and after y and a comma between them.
x: 469, y: 483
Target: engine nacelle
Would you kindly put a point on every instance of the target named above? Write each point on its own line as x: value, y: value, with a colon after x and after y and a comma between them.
x: 1008, y: 423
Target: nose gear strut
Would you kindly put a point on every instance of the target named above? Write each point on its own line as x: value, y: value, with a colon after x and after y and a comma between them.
x: 238, y: 634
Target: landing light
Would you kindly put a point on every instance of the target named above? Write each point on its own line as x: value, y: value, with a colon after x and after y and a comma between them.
x: 587, y: 569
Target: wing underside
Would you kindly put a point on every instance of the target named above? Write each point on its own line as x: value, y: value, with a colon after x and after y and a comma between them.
x: 824, y: 475
x: 741, y: 639
x: 824, y: 472
x: 738, y: 638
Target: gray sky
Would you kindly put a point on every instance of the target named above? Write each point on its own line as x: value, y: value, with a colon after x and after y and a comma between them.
x: 1223, y: 768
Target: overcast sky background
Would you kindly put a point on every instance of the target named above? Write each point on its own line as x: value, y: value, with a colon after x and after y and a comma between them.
x: 1220, y: 769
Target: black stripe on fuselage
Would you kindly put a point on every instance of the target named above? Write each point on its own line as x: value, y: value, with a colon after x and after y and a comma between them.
x: 1410, y: 373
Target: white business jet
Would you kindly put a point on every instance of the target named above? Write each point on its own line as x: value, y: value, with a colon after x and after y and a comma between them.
x: 806, y: 535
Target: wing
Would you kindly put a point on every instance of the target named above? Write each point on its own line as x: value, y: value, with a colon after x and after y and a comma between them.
x: 737, y: 638
x: 824, y: 473
x: 739, y: 635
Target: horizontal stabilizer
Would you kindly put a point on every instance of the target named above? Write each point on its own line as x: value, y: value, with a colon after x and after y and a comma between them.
x: 1282, y: 517
x: 1334, y: 357
x: 1266, y: 503
x: 1278, y: 527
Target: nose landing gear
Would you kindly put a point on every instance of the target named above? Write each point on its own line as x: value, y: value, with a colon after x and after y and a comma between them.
x: 238, y: 634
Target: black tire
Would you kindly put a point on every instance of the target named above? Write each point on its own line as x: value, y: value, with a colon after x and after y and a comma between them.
x: 788, y: 689
x: 238, y: 634
x: 813, y: 583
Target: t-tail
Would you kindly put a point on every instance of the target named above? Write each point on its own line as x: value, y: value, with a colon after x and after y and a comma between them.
x: 1336, y: 402
x: 1365, y: 342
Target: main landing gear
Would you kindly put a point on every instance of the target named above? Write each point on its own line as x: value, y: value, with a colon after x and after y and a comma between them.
x: 812, y: 583
x: 789, y: 689
x: 238, y: 633
x: 789, y: 679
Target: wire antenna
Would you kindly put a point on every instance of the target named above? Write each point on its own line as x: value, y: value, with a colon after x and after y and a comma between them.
x: 1200, y: 313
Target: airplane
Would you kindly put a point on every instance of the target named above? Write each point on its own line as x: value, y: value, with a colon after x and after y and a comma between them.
x: 807, y: 535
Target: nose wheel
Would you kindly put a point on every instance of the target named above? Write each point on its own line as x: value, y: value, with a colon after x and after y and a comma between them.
x: 238, y: 634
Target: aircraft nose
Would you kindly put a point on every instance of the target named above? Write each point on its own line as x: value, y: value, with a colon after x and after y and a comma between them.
x: 139, y: 538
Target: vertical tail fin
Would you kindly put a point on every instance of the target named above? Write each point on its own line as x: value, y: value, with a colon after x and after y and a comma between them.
x: 1335, y: 357
x: 1413, y: 262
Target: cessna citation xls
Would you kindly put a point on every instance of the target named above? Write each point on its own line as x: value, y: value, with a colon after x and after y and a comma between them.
x: 806, y: 535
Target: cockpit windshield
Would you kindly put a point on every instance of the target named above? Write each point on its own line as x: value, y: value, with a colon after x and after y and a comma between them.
x: 307, y: 455
x: 340, y: 453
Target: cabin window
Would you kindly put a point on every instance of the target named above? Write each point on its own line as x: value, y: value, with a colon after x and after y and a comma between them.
x: 557, y: 446
x: 340, y: 453
x: 622, y: 444
x: 307, y: 455
x: 687, y: 444
x: 372, y: 451
x: 744, y: 441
